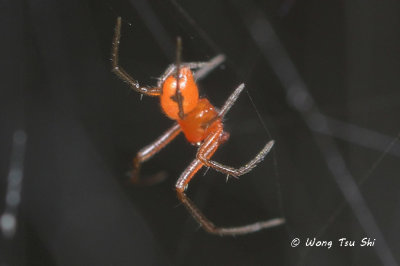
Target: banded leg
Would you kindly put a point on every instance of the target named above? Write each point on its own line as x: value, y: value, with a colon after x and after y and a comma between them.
x: 147, y: 152
x: 120, y: 72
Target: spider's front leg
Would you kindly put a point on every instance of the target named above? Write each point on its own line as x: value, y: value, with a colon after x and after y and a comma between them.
x: 147, y: 152
x: 183, y: 182
x: 121, y: 73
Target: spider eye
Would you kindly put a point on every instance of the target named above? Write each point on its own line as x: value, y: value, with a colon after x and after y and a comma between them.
x: 176, y: 103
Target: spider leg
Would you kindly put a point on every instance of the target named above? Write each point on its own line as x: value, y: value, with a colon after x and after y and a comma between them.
x: 203, y: 68
x: 208, y: 226
x: 120, y: 72
x: 213, y: 141
x: 147, y: 152
x: 207, y: 67
x: 231, y: 100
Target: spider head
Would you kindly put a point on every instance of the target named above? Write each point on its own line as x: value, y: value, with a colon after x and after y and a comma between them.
x: 179, y: 98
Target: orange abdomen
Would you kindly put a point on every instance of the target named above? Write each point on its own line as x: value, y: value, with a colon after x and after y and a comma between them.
x: 202, y: 120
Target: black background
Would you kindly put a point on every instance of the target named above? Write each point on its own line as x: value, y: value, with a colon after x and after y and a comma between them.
x: 84, y: 126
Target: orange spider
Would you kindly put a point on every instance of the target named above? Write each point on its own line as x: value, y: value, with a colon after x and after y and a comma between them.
x: 200, y: 122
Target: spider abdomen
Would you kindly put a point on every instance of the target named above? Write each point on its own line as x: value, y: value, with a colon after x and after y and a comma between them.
x: 200, y: 122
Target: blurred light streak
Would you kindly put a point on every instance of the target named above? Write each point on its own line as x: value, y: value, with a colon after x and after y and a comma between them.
x: 360, y: 182
x: 199, y: 30
x: 298, y: 96
x: 156, y: 28
x: 285, y: 7
x: 358, y: 135
x: 8, y: 220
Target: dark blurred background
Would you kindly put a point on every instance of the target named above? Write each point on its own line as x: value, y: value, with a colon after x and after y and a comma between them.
x: 322, y: 80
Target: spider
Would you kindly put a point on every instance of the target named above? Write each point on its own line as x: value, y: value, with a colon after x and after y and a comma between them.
x: 200, y: 122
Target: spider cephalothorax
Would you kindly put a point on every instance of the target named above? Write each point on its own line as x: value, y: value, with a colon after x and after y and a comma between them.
x: 177, y: 101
